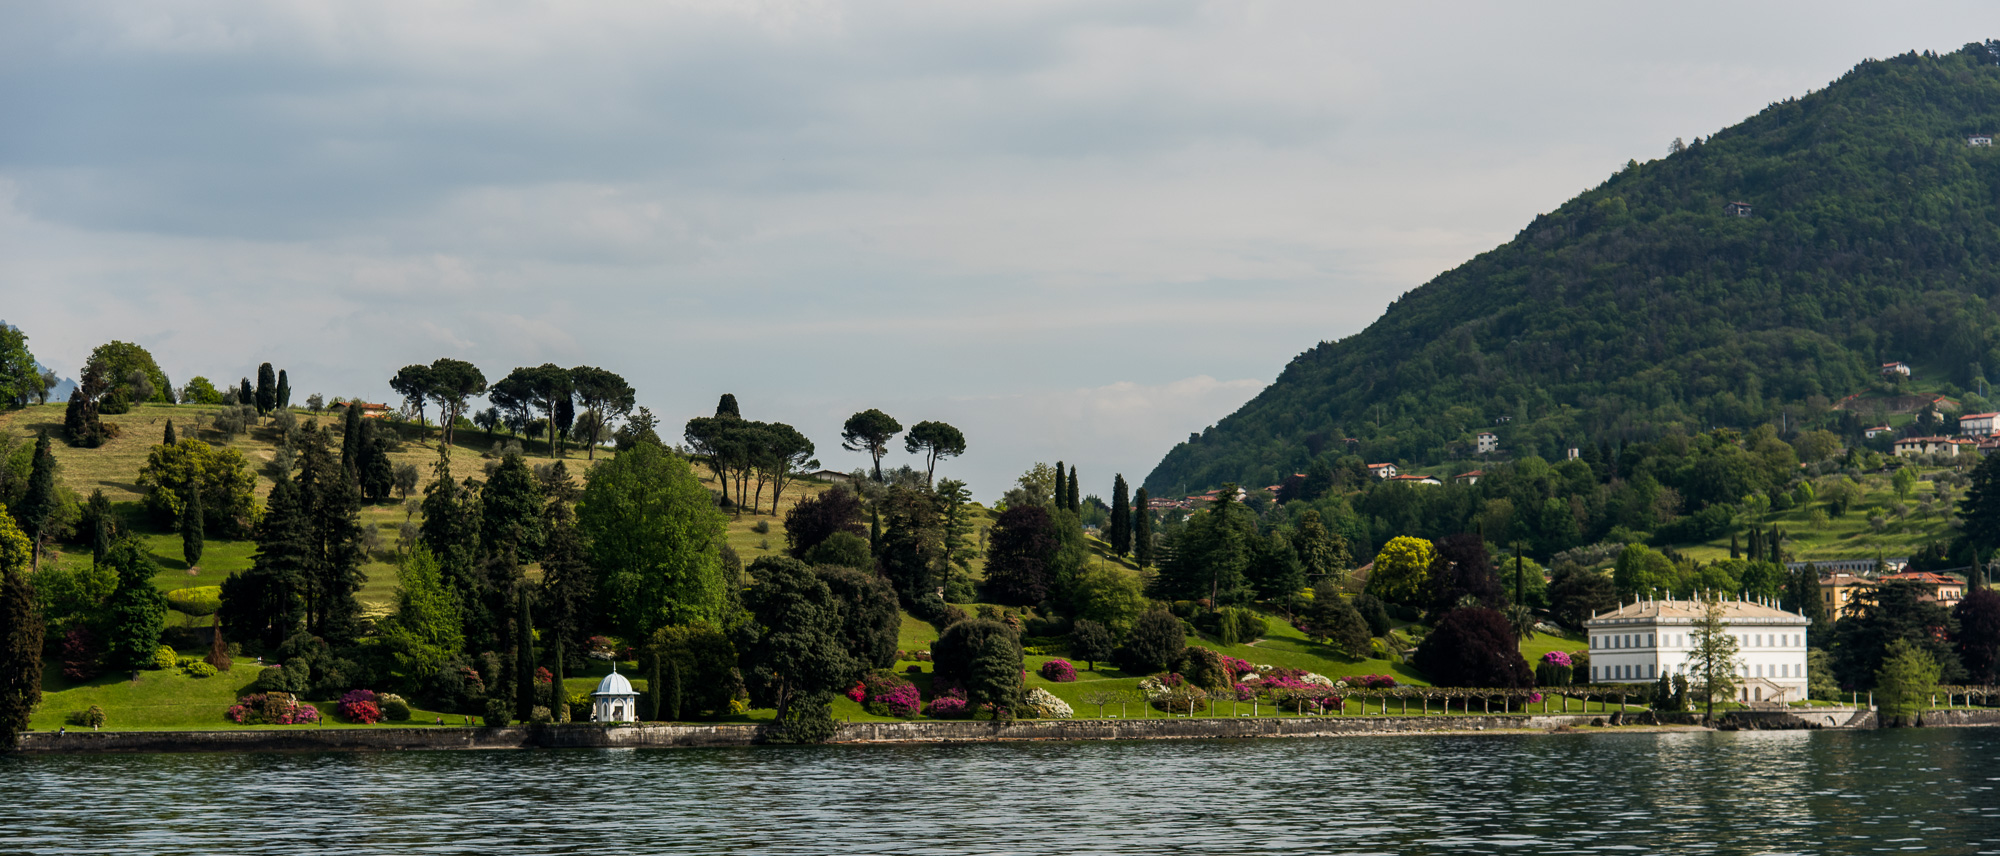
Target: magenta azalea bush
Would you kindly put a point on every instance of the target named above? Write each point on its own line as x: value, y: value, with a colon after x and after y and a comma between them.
x: 271, y: 709
x: 1371, y: 682
x: 1237, y: 668
x: 360, y: 706
x: 1059, y: 670
x: 1557, y: 658
x: 950, y: 704
x: 885, y: 693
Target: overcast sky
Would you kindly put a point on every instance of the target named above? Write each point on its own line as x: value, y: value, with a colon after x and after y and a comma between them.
x: 1076, y: 230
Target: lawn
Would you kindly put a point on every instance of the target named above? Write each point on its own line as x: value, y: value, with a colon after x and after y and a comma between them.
x: 1852, y: 535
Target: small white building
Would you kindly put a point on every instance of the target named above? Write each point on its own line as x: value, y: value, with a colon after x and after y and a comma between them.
x: 1643, y: 640
x: 1737, y: 209
x: 1979, y: 424
x: 1488, y: 442
x: 1382, y: 471
x: 1416, y: 480
x: 1947, y: 446
x: 1979, y: 140
x: 614, y: 700
x: 1877, y: 431
x: 1469, y: 478
x: 1898, y: 368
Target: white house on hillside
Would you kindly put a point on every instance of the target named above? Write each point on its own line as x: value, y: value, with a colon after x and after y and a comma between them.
x: 1979, y: 424
x: 1641, y: 641
x: 1489, y: 442
x: 1382, y: 471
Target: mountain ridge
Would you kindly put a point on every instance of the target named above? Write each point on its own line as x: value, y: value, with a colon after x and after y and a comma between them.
x: 1646, y: 305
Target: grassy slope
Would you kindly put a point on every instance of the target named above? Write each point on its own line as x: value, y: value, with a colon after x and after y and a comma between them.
x: 1852, y: 536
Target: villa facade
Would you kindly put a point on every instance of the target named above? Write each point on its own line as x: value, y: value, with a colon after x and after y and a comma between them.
x: 1643, y: 640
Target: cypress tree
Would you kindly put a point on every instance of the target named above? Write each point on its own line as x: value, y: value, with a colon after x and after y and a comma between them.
x: 1075, y: 502
x: 1756, y: 543
x: 284, y: 395
x: 245, y: 395
x: 20, y: 638
x: 351, y: 440
x: 1142, y: 529
x: 331, y: 505
x: 1734, y: 553
x: 726, y: 406
x: 267, y: 390
x: 168, y: 440
x: 1060, y: 497
x: 1777, y: 546
x: 558, y: 695
x: 191, y: 528
x: 101, y: 524
x: 671, y: 692
x: 1121, y: 516
x: 653, y: 700
x: 524, y: 658
x: 267, y: 602
x: 39, y: 505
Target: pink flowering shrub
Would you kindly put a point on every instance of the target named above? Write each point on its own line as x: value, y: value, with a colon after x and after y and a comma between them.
x: 271, y: 709
x: 887, y: 694
x: 1058, y: 670
x: 1557, y: 658
x: 949, y: 705
x: 1237, y: 667
x: 360, y: 706
x: 1372, y: 682
x: 1290, y: 684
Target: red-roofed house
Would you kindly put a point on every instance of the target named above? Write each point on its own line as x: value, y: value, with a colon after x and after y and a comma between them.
x: 1382, y: 471
x: 1415, y: 479
x: 1946, y: 590
x: 1877, y: 431
x: 1979, y: 424
x: 1896, y: 369
x: 1947, y: 446
x: 1469, y: 478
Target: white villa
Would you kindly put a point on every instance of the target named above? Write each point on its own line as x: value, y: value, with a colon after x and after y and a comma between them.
x: 1489, y: 442
x: 614, y: 700
x: 1979, y: 424
x: 1641, y: 641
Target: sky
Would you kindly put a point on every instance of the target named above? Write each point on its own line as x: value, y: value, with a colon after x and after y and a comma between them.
x: 1076, y: 230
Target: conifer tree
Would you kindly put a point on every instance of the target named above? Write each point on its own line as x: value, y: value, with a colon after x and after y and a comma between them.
x: 1059, y: 498
x: 38, y: 507
x: 559, y: 695
x: 168, y: 439
x: 331, y: 505
x: 191, y: 528
x: 1121, y: 516
x: 245, y: 395
x: 655, y: 701
x: 267, y: 390
x: 670, y: 694
x: 267, y: 602
x: 351, y: 439
x: 98, y: 511
x: 1142, y: 529
x: 20, y: 636
x: 524, y: 659
x: 451, y: 531
x: 726, y: 406
x: 283, y: 398
x: 1074, y: 502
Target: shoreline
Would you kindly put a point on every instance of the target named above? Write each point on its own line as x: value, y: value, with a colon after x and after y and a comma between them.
x: 659, y: 735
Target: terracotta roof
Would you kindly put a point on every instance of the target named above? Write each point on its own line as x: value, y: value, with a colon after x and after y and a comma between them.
x: 1379, y: 466
x: 1732, y: 610
x: 1473, y: 474
x: 1977, y: 416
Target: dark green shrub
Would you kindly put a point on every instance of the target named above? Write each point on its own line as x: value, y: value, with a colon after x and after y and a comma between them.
x: 1374, y: 612
x: 1090, y: 641
x: 1203, y: 668
x: 499, y: 712
x: 1156, y: 643
x: 394, y: 707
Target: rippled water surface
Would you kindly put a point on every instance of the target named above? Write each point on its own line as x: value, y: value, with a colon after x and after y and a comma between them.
x: 1923, y: 791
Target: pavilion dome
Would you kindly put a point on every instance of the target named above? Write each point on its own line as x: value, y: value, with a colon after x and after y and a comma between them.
x: 614, y: 684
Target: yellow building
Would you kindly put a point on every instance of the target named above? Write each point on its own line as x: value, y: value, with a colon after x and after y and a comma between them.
x: 1837, y: 591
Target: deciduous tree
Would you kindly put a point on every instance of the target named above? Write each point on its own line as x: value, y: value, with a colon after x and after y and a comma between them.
x: 655, y: 536
x: 21, y: 631
x: 816, y: 518
x: 1473, y: 647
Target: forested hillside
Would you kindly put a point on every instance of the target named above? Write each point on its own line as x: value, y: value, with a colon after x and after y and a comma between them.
x: 1643, y: 307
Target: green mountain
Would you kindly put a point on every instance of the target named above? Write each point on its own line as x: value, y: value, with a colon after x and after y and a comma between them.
x: 1647, y: 305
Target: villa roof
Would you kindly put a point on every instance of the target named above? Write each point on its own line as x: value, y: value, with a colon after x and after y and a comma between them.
x: 1682, y: 611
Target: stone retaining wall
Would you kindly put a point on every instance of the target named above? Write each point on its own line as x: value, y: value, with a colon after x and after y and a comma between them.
x: 1959, y: 717
x: 649, y: 735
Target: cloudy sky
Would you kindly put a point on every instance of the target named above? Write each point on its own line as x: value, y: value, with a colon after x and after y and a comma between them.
x: 1076, y: 230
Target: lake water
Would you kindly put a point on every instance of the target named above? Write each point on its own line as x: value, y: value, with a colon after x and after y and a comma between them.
x: 1919, y: 791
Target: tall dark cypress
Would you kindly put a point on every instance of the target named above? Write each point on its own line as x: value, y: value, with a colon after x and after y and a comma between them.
x: 1756, y: 544
x: 267, y: 390
x: 168, y: 439
x: 1142, y: 529
x: 102, y: 526
x: 655, y: 702
x: 20, y: 650
x: 1060, y: 497
x: 1121, y: 516
x: 331, y: 505
x: 191, y: 528
x: 283, y: 398
x: 245, y: 395
x: 38, y: 506
x: 524, y: 659
x: 1074, y: 502
x: 671, y: 693
x: 352, y: 436
x: 1734, y: 553
x: 1776, y: 542
x: 557, y: 693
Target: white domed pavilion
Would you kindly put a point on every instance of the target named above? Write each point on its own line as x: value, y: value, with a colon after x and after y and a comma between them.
x: 614, y: 700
